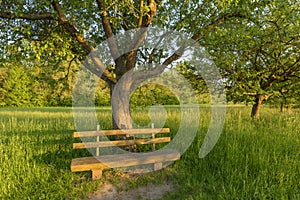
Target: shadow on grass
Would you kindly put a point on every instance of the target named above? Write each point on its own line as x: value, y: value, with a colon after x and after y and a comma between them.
x: 56, y: 149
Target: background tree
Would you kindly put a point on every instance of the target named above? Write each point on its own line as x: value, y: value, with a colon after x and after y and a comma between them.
x: 16, y: 90
x: 190, y: 72
x: 260, y: 58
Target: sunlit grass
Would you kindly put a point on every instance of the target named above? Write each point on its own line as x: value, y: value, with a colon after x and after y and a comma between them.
x: 252, y: 160
x: 36, y: 151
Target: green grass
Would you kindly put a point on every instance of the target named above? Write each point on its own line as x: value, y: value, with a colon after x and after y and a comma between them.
x: 252, y: 159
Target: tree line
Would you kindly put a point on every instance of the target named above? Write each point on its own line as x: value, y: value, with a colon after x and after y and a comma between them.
x: 20, y: 87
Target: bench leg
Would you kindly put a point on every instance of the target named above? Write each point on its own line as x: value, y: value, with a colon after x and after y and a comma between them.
x: 96, y: 174
x: 157, y: 166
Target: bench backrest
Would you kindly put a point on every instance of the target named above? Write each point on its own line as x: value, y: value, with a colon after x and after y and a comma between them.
x: 134, y: 134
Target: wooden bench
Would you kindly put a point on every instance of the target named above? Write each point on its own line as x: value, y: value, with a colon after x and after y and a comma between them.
x: 99, y: 162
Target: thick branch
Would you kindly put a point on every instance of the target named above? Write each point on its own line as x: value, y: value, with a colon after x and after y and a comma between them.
x: 141, y: 32
x: 85, y: 44
x: 143, y: 75
x: 152, y: 12
x: 151, y: 55
x: 71, y: 28
x: 27, y: 16
x: 140, y: 35
x: 108, y: 30
x: 92, y: 61
x: 175, y: 56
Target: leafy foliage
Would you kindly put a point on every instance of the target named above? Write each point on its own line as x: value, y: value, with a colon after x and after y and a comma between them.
x: 16, y: 90
x: 254, y: 43
x: 152, y: 94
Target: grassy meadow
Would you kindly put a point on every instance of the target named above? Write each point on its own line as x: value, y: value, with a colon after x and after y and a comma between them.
x: 252, y: 160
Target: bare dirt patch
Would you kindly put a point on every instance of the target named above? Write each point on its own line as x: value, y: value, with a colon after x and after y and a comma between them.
x: 150, y: 191
x: 135, y: 185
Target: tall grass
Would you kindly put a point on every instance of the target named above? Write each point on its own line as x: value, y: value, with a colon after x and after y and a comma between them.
x: 252, y: 160
x: 35, y: 155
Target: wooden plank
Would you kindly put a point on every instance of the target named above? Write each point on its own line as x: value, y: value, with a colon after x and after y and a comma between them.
x: 120, y: 143
x: 123, y: 160
x: 86, y: 164
x: 120, y: 132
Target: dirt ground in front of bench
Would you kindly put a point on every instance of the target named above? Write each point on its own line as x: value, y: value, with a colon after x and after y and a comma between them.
x: 150, y: 191
x: 109, y: 191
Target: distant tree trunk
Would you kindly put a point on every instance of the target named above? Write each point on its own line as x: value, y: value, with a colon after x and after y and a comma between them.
x: 281, y: 107
x: 285, y: 107
x: 288, y: 108
x: 259, y: 98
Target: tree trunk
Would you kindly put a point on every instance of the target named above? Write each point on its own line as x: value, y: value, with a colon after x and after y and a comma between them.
x: 259, y: 98
x: 114, y: 123
x: 281, y: 107
x: 120, y: 102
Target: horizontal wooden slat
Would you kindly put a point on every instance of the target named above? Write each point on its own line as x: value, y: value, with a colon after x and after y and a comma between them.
x: 120, y: 143
x: 123, y: 160
x: 120, y: 132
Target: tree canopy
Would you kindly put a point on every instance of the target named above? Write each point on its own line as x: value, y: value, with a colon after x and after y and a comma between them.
x: 254, y: 43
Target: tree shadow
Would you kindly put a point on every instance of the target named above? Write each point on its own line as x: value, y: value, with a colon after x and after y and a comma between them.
x: 57, y: 150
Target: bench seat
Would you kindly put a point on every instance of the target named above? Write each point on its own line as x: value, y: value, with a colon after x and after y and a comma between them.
x: 98, y: 163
